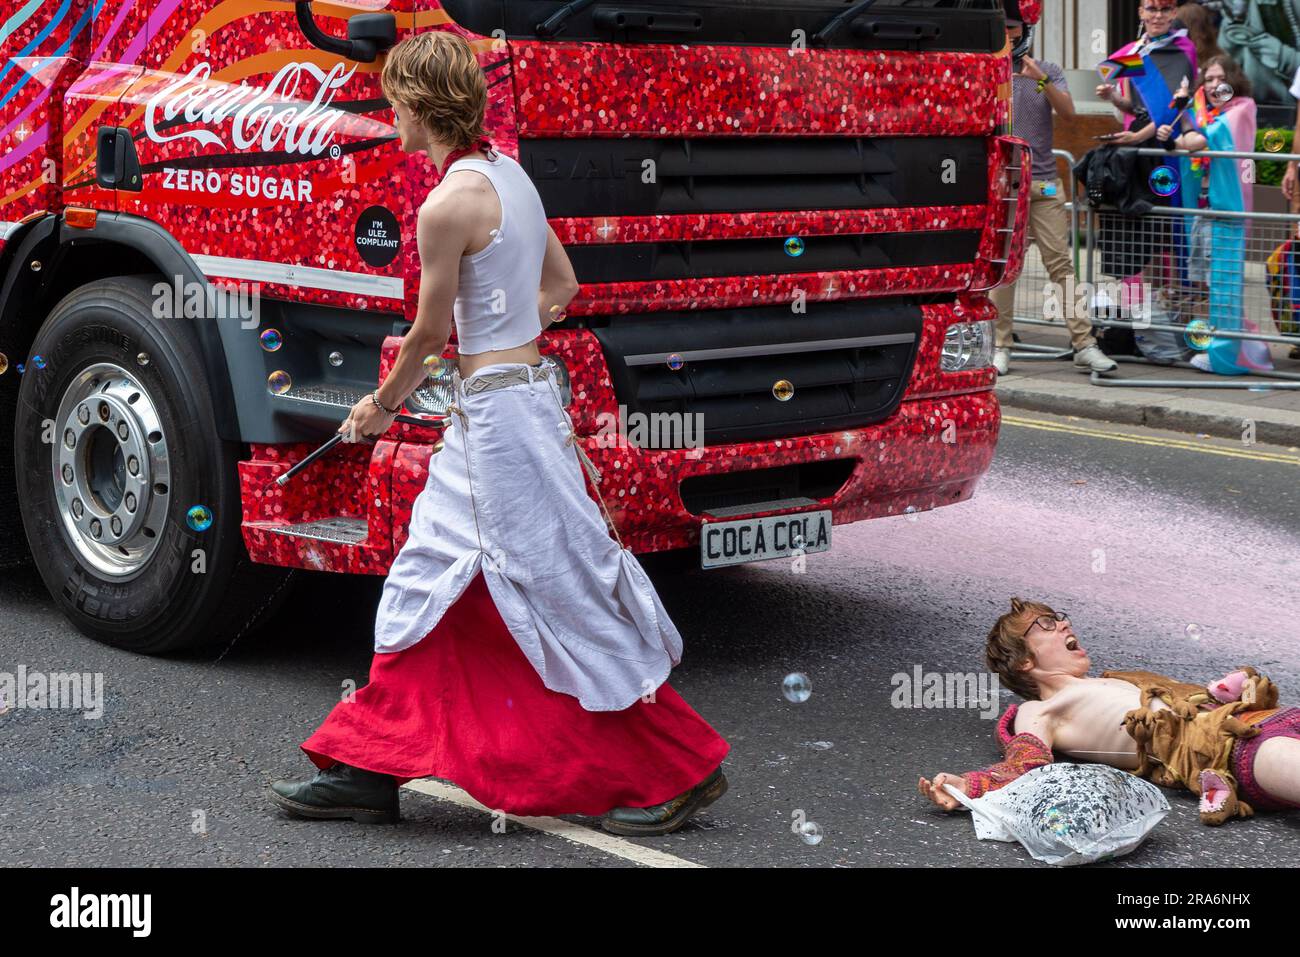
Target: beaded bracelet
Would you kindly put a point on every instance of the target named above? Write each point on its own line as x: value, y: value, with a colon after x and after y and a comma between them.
x: 374, y: 397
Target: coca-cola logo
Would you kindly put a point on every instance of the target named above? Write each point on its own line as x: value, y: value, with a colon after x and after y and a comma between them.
x: 262, y: 117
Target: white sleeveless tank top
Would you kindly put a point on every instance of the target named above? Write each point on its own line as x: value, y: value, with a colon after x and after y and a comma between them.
x: 496, y: 302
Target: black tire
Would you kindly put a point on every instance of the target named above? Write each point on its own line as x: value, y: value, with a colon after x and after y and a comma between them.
x: 166, y: 601
x: 13, y: 543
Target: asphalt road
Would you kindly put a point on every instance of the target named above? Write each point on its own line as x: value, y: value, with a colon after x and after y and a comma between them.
x: 1137, y: 534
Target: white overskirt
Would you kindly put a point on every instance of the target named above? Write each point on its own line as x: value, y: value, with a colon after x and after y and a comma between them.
x: 580, y: 606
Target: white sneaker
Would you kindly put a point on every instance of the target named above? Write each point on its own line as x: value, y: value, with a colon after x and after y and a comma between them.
x: 1202, y: 361
x: 1092, y: 359
x: 1002, y: 360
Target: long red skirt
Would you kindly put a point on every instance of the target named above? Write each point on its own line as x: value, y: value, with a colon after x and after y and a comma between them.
x: 465, y: 705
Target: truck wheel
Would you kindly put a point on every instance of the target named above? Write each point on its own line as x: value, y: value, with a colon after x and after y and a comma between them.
x: 130, y: 499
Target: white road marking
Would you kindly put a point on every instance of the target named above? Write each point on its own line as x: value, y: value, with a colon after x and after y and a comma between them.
x: 598, y: 840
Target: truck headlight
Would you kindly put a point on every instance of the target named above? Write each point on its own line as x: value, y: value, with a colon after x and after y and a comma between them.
x: 967, y: 345
x: 436, y: 392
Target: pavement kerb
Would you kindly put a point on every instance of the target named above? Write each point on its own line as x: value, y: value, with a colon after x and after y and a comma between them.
x: 1184, y: 414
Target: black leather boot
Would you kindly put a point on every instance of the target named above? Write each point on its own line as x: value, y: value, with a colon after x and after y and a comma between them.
x: 669, y: 816
x: 341, y: 791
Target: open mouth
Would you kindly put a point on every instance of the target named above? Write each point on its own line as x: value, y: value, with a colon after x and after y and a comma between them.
x: 1072, y: 644
x: 1214, y: 792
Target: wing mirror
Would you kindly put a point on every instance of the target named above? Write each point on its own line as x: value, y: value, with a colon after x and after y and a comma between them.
x: 369, y: 34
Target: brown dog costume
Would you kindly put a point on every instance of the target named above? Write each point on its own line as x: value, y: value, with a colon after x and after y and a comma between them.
x: 1194, y: 735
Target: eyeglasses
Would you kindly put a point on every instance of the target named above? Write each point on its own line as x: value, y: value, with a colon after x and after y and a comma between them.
x: 1047, y: 622
x: 1159, y: 11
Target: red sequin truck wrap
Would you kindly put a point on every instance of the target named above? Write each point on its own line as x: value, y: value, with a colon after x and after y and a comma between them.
x: 784, y: 218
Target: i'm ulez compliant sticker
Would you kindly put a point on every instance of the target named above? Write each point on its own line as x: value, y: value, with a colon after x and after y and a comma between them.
x: 377, y: 237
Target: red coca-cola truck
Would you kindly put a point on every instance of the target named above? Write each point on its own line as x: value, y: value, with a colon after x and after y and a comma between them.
x: 784, y: 215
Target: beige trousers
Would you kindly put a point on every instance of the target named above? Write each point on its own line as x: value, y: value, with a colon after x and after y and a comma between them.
x: 1049, y: 229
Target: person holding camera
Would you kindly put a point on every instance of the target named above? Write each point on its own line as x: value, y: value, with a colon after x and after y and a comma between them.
x: 1038, y: 91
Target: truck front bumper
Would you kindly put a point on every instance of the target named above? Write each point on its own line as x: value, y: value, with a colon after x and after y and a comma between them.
x: 932, y: 452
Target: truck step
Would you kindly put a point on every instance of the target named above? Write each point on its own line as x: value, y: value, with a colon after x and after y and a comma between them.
x: 348, y: 531
x: 335, y: 396
x: 343, y: 397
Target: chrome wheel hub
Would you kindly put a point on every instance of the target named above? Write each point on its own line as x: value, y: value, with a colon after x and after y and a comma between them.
x: 111, y: 470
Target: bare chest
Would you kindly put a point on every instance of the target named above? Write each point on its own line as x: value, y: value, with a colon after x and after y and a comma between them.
x: 1088, y: 721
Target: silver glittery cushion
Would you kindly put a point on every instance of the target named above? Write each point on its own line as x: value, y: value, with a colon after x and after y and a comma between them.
x: 1070, y: 813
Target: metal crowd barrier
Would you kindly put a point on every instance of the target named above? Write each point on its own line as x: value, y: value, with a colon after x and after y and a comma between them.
x: 1108, y: 246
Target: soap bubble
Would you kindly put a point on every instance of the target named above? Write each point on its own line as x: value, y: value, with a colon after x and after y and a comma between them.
x: 142, y: 359
x: 1222, y: 94
x: 1193, y: 631
x: 279, y: 382
x: 1058, y: 822
x: 440, y: 370
x: 675, y: 361
x: 796, y: 687
x: 910, y: 512
x: 1198, y: 335
x: 794, y: 246
x: 336, y: 359
x: 199, y: 518
x: 436, y: 367
x: 271, y: 340
x: 783, y: 390
x: 38, y: 361
x: 4, y: 363
x: 810, y: 832
x: 1274, y: 141
x: 1164, y: 181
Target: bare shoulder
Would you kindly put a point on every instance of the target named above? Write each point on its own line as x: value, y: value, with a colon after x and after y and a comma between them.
x: 1028, y: 711
x: 465, y: 197
x: 447, y: 213
x: 451, y: 197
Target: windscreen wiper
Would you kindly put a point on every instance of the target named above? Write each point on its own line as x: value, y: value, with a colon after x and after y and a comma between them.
x: 556, y: 21
x: 833, y: 26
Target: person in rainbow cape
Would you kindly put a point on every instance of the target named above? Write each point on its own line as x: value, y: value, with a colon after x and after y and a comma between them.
x: 1147, y: 71
x: 1222, y: 118
x: 1139, y: 80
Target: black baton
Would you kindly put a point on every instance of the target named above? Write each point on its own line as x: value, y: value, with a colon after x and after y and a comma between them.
x: 440, y: 420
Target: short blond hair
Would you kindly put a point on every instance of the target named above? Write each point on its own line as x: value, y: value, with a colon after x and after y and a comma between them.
x: 436, y: 76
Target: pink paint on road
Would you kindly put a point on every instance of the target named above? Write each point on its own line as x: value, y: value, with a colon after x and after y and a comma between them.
x: 1038, y: 536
